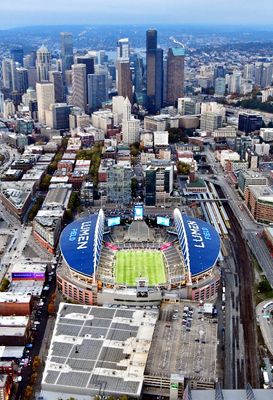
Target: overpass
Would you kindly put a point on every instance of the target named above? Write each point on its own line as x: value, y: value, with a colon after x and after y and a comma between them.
x: 207, y: 200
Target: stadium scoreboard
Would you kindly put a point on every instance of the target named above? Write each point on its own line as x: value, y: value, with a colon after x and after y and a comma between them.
x: 113, y: 221
x: 164, y: 221
x: 138, y: 212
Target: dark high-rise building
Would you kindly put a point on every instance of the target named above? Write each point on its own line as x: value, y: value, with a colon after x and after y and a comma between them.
x: 66, y: 51
x: 17, y: 54
x: 138, y: 72
x: 88, y: 62
x: 159, y: 79
x: 175, y: 74
x: 219, y: 72
x: 154, y: 73
x: 97, y: 92
x: 150, y: 187
x: 59, y: 115
x: 249, y: 122
x: 124, y: 79
x: 21, y: 80
x: 56, y: 78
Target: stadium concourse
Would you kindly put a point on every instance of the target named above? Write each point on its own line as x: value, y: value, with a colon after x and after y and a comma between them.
x: 136, y: 264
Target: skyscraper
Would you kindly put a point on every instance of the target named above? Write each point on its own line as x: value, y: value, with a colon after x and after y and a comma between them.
x: 124, y: 79
x: 66, y: 51
x: 21, y: 80
x: 97, y: 92
x: 17, y: 54
x: 130, y: 125
x: 79, y: 92
x: 154, y: 73
x: 56, y: 78
x: 119, y: 184
x: 6, y: 73
x: 43, y: 64
x: 123, y: 71
x: 89, y: 63
x: 175, y: 74
x: 45, y: 97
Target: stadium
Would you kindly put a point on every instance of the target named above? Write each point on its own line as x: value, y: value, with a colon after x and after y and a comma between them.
x: 104, y: 262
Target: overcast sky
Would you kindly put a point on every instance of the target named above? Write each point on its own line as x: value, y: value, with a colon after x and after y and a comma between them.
x: 36, y: 12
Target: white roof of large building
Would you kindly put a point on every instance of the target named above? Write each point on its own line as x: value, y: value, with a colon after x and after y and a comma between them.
x: 11, y: 351
x: 96, y: 349
x: 28, y: 267
x: 12, y: 321
x: 32, y: 287
x: 7, y: 297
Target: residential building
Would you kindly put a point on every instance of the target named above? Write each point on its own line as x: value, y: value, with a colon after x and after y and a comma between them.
x: 119, y: 184
x: 188, y: 106
x: 259, y: 201
x: 210, y: 121
x: 247, y: 178
x: 47, y: 226
x: 266, y: 134
x: 79, y: 86
x: 158, y: 182
x: 87, y: 194
x: 225, y: 132
x: 228, y: 155
x: 220, y: 87
x: 45, y: 97
x: 16, y: 197
x: 160, y: 122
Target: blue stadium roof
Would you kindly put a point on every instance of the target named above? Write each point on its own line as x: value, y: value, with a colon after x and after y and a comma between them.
x: 78, y: 245
x: 199, y: 241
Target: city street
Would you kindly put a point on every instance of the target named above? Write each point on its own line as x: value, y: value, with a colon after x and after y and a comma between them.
x: 264, y: 318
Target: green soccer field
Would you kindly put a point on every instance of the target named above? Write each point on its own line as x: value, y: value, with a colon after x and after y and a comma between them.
x: 134, y: 264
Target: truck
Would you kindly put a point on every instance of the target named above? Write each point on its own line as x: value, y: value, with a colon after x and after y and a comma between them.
x: 266, y: 379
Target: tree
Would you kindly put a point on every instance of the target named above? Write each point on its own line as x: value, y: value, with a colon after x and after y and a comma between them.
x: 45, y: 182
x: 264, y: 286
x: 51, y: 309
x: 52, y: 167
x: 36, y: 363
x: 33, y: 378
x: 134, y: 184
x: 178, y: 135
x: 183, y: 168
x: 35, y: 208
x: 28, y: 393
x: 4, y: 285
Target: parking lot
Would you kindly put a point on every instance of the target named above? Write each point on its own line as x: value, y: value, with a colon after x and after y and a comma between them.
x: 184, y: 342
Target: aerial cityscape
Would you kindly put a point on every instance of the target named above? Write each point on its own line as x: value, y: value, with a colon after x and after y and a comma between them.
x: 136, y: 200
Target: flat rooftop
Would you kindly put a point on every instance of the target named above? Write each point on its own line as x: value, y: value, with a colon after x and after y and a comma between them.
x: 7, y: 297
x: 239, y: 394
x: 98, y: 350
x: 25, y: 287
x: 184, y: 343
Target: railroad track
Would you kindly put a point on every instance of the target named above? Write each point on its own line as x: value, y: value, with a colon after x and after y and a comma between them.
x: 249, y: 371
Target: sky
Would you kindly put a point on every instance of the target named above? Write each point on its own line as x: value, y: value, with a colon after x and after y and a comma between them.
x: 60, y: 12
